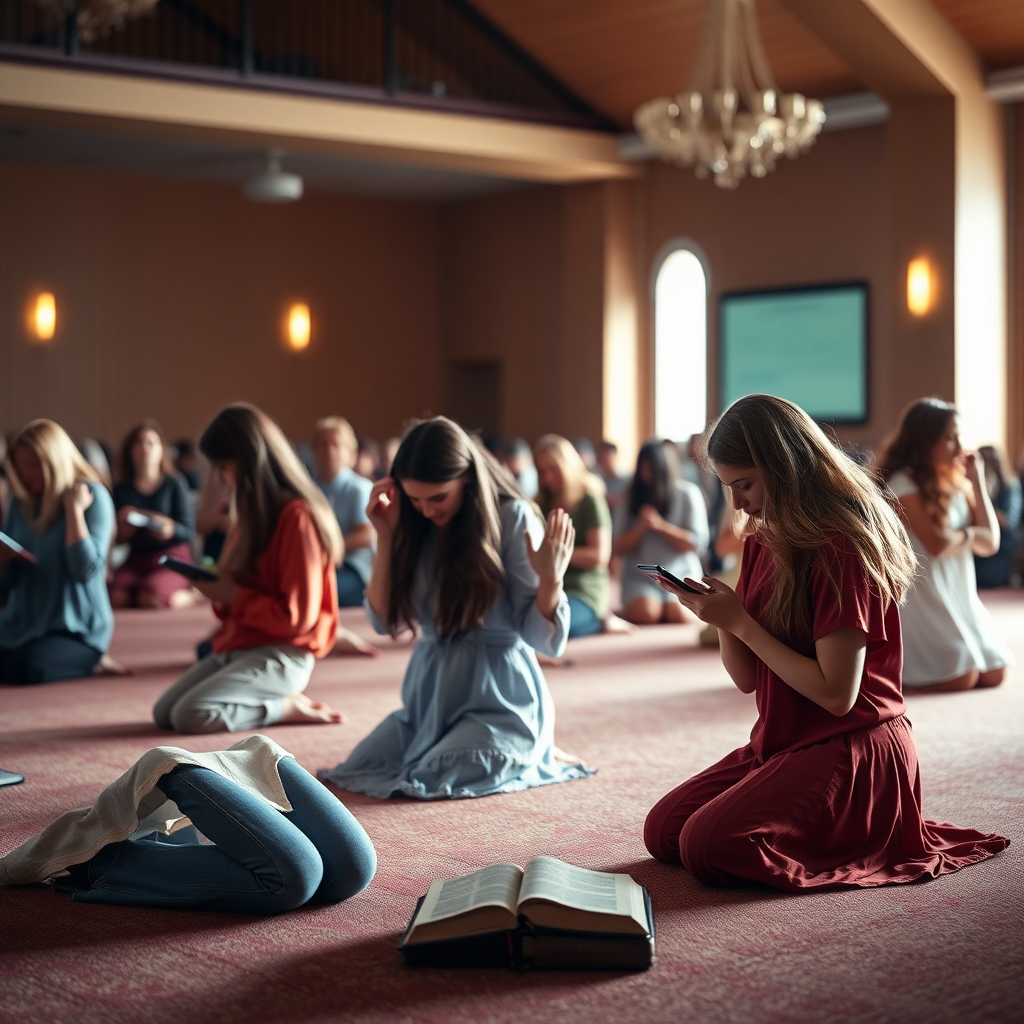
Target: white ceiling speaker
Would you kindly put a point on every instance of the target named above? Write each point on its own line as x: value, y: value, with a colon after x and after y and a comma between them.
x: 274, y: 185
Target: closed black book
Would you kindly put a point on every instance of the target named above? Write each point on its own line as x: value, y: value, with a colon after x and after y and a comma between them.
x: 550, y: 916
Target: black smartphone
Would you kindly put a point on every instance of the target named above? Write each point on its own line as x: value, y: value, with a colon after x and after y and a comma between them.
x: 141, y: 521
x: 654, y: 571
x: 188, y: 570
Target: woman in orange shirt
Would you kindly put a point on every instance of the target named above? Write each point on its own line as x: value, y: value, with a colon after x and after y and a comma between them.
x: 276, y: 594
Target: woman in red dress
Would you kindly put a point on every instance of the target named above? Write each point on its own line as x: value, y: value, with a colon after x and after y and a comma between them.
x: 826, y: 794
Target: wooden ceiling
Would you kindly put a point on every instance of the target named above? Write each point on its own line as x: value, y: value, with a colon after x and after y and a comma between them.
x: 618, y: 53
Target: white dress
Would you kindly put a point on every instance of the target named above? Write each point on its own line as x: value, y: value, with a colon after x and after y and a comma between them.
x: 947, y: 631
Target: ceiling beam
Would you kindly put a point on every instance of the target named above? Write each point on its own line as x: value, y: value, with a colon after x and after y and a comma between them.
x: 459, y: 142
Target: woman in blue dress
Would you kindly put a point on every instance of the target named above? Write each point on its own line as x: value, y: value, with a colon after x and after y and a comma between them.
x: 456, y: 559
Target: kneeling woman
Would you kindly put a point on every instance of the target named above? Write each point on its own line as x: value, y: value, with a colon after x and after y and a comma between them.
x: 827, y: 792
x: 455, y: 559
x: 272, y: 840
x: 276, y: 595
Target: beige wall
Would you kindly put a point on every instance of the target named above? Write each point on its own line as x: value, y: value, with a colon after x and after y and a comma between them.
x: 821, y: 218
x: 171, y: 294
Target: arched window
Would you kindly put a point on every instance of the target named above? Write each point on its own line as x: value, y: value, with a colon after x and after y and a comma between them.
x: 680, y: 346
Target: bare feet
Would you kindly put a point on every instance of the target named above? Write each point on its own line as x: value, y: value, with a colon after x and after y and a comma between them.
x: 613, y: 624
x: 565, y: 758
x: 108, y: 666
x: 543, y: 659
x: 298, y: 708
x: 347, y: 642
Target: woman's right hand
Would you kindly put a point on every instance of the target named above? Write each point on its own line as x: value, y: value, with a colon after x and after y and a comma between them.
x: 974, y: 468
x: 383, y: 508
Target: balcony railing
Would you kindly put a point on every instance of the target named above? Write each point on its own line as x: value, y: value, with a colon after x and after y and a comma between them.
x: 437, y: 53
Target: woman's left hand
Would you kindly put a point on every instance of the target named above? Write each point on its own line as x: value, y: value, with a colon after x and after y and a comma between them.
x: 551, y: 558
x: 718, y: 607
x: 222, y: 590
x: 165, y: 525
x: 974, y: 468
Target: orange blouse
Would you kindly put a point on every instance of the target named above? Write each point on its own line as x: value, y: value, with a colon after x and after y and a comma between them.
x: 293, y: 596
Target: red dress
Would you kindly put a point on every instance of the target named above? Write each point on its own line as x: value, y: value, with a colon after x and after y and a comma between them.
x: 816, y: 800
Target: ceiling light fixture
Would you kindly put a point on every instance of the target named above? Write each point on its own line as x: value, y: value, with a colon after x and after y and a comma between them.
x: 733, y: 119
x: 274, y: 185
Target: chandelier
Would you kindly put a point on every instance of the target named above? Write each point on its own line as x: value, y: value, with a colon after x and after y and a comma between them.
x: 732, y: 120
x: 97, y: 18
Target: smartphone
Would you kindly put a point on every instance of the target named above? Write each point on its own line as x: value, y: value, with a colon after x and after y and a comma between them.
x: 21, y: 552
x: 187, y: 569
x: 142, y: 522
x: 654, y: 571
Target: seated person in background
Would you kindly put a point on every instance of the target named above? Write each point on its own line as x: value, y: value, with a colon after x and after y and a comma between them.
x: 615, y: 483
x: 515, y: 455
x: 661, y: 520
x: 692, y: 468
x: 149, y: 486
x: 334, y: 453
x: 186, y: 464
x: 276, y: 593
x: 56, y: 622
x: 1005, y: 491
x: 950, y: 641
x: 368, y: 458
x: 260, y: 858
x: 566, y: 483
x: 585, y: 448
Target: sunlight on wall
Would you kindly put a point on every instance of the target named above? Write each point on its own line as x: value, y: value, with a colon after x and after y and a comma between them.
x: 680, y: 347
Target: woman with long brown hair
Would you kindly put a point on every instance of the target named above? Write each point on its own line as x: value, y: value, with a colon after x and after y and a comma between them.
x: 56, y: 621
x: 463, y: 558
x: 826, y: 794
x: 275, y: 594
x: 950, y: 641
x: 155, y: 519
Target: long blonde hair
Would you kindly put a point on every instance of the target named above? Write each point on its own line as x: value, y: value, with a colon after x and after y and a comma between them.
x: 812, y: 493
x: 577, y: 480
x: 63, y: 466
x: 269, y: 476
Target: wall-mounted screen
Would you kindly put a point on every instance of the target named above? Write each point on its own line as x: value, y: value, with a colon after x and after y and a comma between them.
x: 809, y: 345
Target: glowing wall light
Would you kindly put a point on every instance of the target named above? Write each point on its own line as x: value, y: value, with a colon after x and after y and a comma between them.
x: 920, y: 287
x: 43, y: 316
x: 298, y: 326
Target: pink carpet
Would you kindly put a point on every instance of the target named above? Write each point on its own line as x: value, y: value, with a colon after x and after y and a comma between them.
x: 648, y: 711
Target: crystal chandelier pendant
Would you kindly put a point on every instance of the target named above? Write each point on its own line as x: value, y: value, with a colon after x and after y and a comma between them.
x: 732, y: 120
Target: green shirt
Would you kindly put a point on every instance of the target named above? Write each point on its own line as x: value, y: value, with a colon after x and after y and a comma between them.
x: 589, y: 585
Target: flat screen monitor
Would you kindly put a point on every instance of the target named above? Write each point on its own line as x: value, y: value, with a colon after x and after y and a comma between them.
x: 808, y: 344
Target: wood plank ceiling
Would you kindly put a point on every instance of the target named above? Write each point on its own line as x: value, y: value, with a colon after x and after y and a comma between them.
x: 618, y: 53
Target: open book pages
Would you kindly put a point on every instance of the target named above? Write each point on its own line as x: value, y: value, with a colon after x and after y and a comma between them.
x: 549, y: 893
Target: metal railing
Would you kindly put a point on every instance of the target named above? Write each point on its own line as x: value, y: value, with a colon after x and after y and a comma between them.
x: 438, y: 53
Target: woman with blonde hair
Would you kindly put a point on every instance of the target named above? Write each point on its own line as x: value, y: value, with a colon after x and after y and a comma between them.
x: 566, y: 483
x: 56, y: 621
x: 950, y: 641
x: 463, y: 558
x: 827, y: 792
x: 275, y: 594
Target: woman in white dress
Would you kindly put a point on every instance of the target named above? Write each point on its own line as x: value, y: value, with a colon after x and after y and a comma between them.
x: 950, y: 641
x: 661, y: 520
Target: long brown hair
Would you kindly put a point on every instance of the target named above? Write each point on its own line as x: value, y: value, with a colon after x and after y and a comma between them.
x: 910, y: 447
x: 126, y: 465
x: 63, y: 466
x: 269, y: 476
x: 468, y: 570
x: 812, y: 492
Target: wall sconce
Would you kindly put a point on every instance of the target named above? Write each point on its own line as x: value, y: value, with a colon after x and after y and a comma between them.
x: 42, y: 316
x: 920, y: 286
x: 298, y: 326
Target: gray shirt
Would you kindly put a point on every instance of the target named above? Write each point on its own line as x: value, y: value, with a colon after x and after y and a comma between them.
x: 349, y: 494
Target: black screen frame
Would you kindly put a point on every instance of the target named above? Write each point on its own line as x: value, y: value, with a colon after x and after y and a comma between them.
x: 826, y: 286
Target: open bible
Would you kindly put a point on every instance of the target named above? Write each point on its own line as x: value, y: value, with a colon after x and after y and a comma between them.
x: 550, y: 914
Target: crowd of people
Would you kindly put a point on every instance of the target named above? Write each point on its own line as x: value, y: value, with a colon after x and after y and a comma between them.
x: 851, y: 584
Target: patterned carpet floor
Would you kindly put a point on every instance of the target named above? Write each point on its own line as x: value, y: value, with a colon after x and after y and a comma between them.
x: 648, y: 711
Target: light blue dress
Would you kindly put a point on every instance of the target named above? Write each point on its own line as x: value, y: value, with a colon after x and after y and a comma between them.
x: 477, y: 717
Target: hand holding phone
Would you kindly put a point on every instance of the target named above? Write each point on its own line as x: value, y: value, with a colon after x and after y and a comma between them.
x: 660, y: 572
x: 188, y: 570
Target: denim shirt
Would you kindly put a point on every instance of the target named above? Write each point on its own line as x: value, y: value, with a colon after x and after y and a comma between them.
x: 67, y: 591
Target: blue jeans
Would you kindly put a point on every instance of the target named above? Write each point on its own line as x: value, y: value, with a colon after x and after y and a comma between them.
x: 583, y: 620
x: 350, y: 588
x: 264, y: 861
